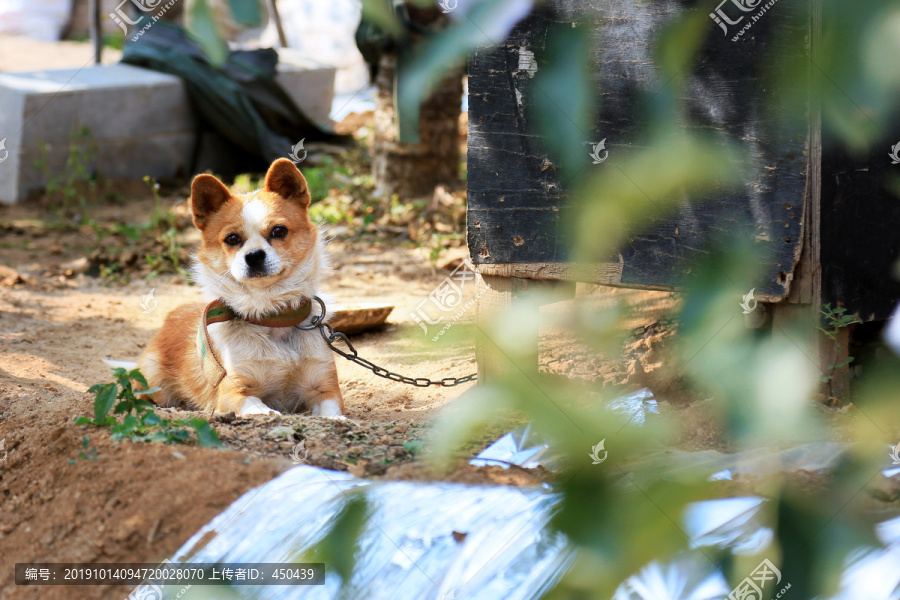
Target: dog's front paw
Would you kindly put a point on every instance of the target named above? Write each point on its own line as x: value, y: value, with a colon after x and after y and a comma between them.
x: 329, y: 409
x: 255, y: 406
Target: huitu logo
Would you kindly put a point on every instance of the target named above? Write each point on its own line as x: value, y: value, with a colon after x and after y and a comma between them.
x: 446, y: 297
x: 148, y: 302
x: 596, y: 149
x: 895, y: 150
x: 721, y: 18
x: 146, y: 5
x: 595, y: 453
x: 895, y: 453
x: 120, y: 17
x: 751, y: 588
x: 296, y: 150
x: 4, y: 150
x: 295, y: 455
x: 448, y: 5
x: 747, y: 299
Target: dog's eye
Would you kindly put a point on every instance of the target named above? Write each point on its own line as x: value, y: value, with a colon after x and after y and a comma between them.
x: 279, y: 231
x: 233, y: 239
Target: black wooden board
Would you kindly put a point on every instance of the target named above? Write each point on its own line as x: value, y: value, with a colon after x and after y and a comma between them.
x: 518, y: 207
x: 859, y: 223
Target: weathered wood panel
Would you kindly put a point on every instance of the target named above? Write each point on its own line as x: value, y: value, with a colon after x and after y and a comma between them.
x: 860, y: 229
x: 517, y: 205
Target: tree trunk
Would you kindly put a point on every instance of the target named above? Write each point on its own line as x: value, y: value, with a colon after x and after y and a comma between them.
x: 413, y: 170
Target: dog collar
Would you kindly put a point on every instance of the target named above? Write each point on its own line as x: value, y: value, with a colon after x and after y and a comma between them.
x: 219, y: 312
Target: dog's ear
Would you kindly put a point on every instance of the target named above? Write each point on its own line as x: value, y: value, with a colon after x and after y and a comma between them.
x: 285, y: 180
x: 208, y: 194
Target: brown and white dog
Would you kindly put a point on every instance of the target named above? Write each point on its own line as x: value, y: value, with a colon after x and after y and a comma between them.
x: 260, y: 262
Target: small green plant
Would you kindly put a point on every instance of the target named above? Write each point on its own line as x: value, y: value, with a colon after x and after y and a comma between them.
x: 66, y: 187
x: 161, y: 218
x: 87, y: 452
x: 836, y: 320
x: 436, y: 249
x: 413, y: 446
x: 140, y: 422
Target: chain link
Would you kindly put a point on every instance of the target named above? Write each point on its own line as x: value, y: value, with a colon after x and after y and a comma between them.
x: 331, y: 336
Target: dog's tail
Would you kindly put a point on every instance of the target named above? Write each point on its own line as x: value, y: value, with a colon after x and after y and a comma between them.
x: 120, y: 364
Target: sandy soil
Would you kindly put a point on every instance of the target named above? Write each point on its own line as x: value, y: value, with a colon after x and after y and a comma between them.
x: 139, y: 503
x: 57, y: 323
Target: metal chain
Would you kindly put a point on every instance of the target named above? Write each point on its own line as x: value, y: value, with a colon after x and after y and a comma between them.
x: 331, y: 336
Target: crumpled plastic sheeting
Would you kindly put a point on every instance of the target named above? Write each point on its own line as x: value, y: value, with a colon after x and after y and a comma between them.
x: 523, y: 448
x: 814, y: 456
x: 407, y: 550
x: 731, y: 523
x: 687, y: 578
x: 727, y: 523
x: 519, y: 447
x: 869, y: 573
x: 874, y: 573
x: 636, y: 406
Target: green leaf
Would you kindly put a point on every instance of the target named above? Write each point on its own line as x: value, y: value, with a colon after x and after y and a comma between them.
x: 103, y: 403
x: 148, y: 392
x: 338, y: 548
x: 246, y: 13
x: 381, y: 14
x: 127, y: 426
x: 413, y: 447
x: 562, y: 98
x: 202, y: 26
x: 486, y: 24
x: 206, y: 435
x: 83, y: 421
x: 152, y: 420
x: 139, y: 377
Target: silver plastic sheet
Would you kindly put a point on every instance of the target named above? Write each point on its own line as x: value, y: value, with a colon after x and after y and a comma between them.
x: 422, y: 540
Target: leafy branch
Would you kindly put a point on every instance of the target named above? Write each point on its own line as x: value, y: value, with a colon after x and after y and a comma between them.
x: 836, y: 320
x: 140, y: 422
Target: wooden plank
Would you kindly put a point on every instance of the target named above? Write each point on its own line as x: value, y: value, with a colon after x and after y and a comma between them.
x: 518, y: 205
x: 495, y: 296
x: 600, y: 273
x: 498, y: 358
x: 609, y: 274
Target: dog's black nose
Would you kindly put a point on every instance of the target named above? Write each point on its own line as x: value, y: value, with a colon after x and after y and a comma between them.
x: 255, y: 258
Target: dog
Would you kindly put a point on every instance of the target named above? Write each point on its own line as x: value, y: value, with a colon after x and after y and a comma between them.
x: 260, y: 264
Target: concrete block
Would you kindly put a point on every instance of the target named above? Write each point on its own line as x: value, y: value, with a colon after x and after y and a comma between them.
x: 140, y: 122
x: 310, y: 85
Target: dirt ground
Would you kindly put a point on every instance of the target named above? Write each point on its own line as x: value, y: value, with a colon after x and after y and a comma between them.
x: 63, y: 308
x: 57, y: 322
